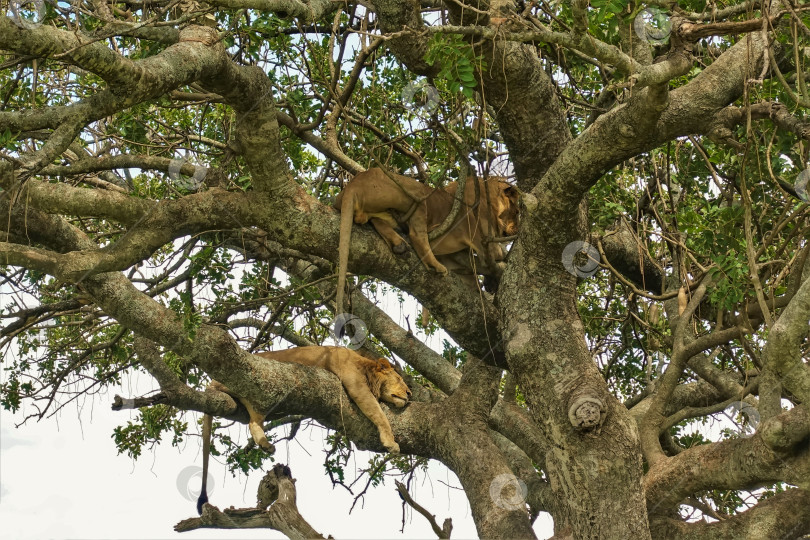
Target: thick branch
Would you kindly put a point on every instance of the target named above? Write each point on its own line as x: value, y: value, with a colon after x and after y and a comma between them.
x: 743, y: 463
x: 308, y: 11
x: 47, y: 41
x: 783, y: 515
x: 643, y: 123
x: 156, y: 226
x: 783, y: 350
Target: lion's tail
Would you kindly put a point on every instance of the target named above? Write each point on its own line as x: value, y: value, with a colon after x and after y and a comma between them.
x: 346, y: 219
x: 206, y: 435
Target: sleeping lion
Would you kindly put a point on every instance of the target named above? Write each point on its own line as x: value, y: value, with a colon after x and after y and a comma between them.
x: 366, y: 381
x: 386, y: 199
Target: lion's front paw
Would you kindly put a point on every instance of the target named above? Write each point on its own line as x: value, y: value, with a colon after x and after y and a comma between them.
x: 400, y: 249
x: 440, y: 269
x: 387, y: 440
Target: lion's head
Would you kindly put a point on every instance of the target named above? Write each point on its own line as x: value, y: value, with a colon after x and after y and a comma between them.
x: 386, y: 384
x: 506, y: 209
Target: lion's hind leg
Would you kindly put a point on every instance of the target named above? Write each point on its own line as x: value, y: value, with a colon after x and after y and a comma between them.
x: 256, y: 427
x: 256, y: 424
x: 385, y: 228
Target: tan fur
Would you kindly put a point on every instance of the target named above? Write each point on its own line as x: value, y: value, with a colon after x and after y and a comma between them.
x: 379, y: 196
x: 371, y: 196
x: 365, y: 380
x: 462, y: 249
x: 494, y: 215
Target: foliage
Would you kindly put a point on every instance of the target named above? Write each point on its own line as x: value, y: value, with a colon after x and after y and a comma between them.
x: 152, y: 423
x: 458, y: 63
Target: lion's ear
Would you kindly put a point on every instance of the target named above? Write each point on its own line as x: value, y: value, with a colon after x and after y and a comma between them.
x: 511, y: 191
x: 382, y: 364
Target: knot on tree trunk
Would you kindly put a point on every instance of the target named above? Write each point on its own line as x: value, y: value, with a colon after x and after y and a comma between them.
x: 586, y: 413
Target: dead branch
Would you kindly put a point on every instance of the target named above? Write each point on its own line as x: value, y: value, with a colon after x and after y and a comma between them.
x: 443, y: 531
x: 276, y: 491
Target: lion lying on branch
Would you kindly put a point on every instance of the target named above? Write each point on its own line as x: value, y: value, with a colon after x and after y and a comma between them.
x: 389, y: 200
x: 365, y: 381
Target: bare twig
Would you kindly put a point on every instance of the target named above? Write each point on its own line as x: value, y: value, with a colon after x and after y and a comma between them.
x: 443, y: 531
